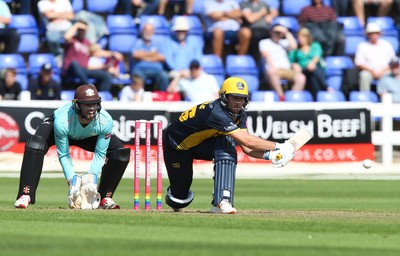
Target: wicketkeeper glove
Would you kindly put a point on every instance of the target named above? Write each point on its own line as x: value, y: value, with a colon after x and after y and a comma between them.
x: 281, y: 155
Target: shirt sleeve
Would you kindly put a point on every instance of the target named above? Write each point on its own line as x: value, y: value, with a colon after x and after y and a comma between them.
x: 103, y: 141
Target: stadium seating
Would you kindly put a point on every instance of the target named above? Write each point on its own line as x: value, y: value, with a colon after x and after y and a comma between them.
x: 386, y: 23
x: 293, y: 7
x: 212, y: 64
x: 17, y: 62
x: 354, y: 33
x: 36, y: 60
x: 240, y: 65
x: 77, y: 5
x: 27, y: 27
x: 365, y: 96
x: 264, y: 96
x: 160, y: 23
x: 289, y: 22
x: 67, y: 94
x: 325, y: 96
x: 106, y: 96
x: 101, y: 6
x: 334, y: 70
x: 298, y: 96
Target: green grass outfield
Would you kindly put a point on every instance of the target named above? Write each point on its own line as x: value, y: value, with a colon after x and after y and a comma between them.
x: 275, y: 217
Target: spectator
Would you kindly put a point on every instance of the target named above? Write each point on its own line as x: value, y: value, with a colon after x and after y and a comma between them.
x: 384, y: 7
x: 257, y: 17
x: 57, y: 16
x: 77, y: 54
x: 44, y: 87
x: 10, y: 89
x: 183, y: 50
x: 372, y: 57
x: 309, y: 57
x: 110, y: 64
x: 321, y: 21
x: 274, y: 53
x: 222, y: 20
x: 8, y: 36
x: 134, y: 92
x: 188, y: 7
x: 198, y: 86
x: 149, y: 58
x: 391, y: 83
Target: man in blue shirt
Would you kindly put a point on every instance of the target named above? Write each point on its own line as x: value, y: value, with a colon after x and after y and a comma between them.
x: 149, y: 58
x: 83, y: 123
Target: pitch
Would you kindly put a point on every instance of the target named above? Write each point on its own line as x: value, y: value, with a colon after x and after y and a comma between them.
x: 275, y: 217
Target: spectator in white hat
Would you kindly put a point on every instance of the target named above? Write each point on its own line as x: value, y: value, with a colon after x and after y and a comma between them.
x: 183, y: 49
x: 372, y: 57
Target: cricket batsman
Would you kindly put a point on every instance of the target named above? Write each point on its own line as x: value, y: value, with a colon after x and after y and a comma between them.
x: 83, y: 123
x: 211, y: 131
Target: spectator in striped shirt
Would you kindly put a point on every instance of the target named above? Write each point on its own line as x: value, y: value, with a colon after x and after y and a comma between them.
x: 321, y: 21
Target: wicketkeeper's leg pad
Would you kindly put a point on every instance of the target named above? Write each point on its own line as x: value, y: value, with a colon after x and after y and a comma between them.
x: 35, y: 149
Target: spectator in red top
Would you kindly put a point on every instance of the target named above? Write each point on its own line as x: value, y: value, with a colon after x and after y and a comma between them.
x: 76, y: 58
x: 321, y: 21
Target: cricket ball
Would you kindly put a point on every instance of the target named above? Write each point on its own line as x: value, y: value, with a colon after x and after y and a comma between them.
x: 367, y: 163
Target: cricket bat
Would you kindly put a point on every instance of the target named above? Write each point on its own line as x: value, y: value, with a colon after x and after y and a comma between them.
x: 298, y: 140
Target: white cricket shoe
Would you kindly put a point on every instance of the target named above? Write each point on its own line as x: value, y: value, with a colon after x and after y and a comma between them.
x: 108, y: 203
x: 224, y: 207
x: 23, y: 202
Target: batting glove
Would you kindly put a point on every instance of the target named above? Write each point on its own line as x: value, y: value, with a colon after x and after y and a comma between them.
x: 281, y: 155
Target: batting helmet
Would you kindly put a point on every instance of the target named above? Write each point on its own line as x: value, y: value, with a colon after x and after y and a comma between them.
x: 234, y: 86
x: 86, y: 94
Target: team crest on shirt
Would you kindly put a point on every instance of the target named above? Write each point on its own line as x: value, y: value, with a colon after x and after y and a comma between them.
x: 108, y: 135
x: 89, y: 92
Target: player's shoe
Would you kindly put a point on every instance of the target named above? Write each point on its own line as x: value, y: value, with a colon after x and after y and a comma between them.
x: 23, y: 202
x: 108, y: 203
x: 224, y: 207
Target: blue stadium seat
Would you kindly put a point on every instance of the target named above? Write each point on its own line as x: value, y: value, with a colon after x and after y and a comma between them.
x: 240, y: 64
x: 336, y: 64
x: 264, y: 96
x: 351, y: 44
x: 36, y: 60
x: 325, y: 96
x: 106, y: 96
x: 289, y: 22
x: 17, y: 62
x: 67, y: 94
x: 253, y: 81
x: 351, y: 25
x: 334, y: 82
x: 298, y: 96
x: 212, y: 64
x: 293, y: 7
x: 13, y: 61
x: 365, y: 96
x: 121, y: 24
x: 27, y: 27
x: 160, y: 23
x: 101, y: 6
x: 122, y: 43
x: 77, y: 5
x: 198, y: 7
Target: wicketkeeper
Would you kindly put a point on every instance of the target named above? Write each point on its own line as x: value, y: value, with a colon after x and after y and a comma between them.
x: 83, y: 123
x: 211, y: 131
